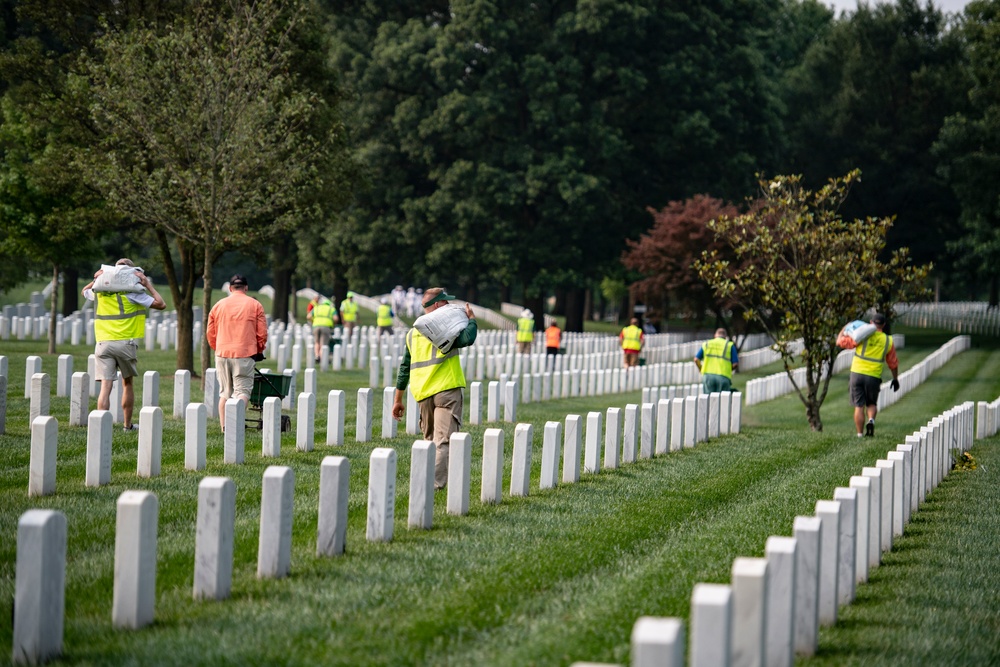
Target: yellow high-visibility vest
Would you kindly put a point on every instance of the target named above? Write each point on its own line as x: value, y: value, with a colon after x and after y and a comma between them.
x: 384, y: 316
x: 430, y: 371
x: 117, y: 318
x: 718, y: 357
x: 525, y: 329
x: 869, y: 357
x: 323, y: 314
x: 349, y: 310
x: 631, y: 338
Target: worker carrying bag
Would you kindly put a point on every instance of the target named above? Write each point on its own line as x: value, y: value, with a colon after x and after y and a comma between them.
x: 443, y: 326
x: 854, y: 334
x: 121, y: 278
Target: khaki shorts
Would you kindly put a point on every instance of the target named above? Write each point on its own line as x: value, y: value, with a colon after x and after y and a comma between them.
x: 116, y: 355
x: 235, y: 377
x: 321, y: 335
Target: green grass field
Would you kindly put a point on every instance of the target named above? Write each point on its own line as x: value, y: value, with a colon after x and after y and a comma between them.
x: 553, y: 578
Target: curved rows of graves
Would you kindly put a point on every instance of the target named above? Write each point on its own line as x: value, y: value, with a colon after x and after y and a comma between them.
x: 772, y: 607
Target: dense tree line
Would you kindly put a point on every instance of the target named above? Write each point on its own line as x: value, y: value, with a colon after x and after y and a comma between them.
x: 509, y: 151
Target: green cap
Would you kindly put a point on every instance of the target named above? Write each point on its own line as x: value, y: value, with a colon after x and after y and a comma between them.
x: 443, y: 296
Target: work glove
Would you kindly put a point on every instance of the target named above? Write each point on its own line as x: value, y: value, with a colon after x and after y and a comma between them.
x: 894, y: 384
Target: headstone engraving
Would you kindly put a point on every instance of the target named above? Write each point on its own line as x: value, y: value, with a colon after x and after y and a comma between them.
x: 381, y: 494
x: 99, y: 428
x: 422, y: 462
x: 459, y: 472
x: 42, y: 463
x: 274, y: 553
x: 520, y: 474
x: 334, y: 477
x: 213, y: 547
x: 40, y: 587
x: 135, y: 560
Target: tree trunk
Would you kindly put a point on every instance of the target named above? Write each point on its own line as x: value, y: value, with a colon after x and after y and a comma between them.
x: 282, y: 287
x: 560, y: 307
x: 71, y: 295
x: 283, y: 269
x: 536, y: 305
x: 588, y: 306
x: 53, y: 308
x: 339, y: 289
x: 182, y: 292
x: 574, y: 309
x: 505, y: 294
x: 206, y: 302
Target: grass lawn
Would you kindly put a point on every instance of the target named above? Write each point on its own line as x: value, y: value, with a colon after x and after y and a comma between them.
x: 549, y: 579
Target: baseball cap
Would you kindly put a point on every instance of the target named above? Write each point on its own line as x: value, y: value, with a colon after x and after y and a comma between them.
x: 238, y: 280
x: 878, y: 318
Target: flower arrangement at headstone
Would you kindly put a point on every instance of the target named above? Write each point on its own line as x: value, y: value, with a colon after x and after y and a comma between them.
x: 963, y: 461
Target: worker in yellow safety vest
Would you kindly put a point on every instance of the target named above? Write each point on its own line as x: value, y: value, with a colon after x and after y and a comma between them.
x: 525, y: 331
x: 349, y: 315
x: 870, y: 358
x: 632, y: 339
x: 119, y: 323
x: 323, y: 316
x: 383, y: 317
x: 717, y: 359
x: 436, y: 381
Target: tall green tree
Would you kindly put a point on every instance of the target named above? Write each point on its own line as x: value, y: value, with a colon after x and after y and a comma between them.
x: 872, y: 93
x: 45, y: 212
x: 207, y: 133
x: 521, y: 144
x: 969, y: 147
x: 798, y: 260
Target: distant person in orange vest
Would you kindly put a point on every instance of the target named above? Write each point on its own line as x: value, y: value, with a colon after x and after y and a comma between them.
x: 632, y: 338
x: 552, y: 337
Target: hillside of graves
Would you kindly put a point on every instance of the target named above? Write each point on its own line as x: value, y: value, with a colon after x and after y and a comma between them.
x: 550, y: 577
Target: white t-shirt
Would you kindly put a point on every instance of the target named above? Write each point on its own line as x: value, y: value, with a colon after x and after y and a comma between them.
x: 143, y: 299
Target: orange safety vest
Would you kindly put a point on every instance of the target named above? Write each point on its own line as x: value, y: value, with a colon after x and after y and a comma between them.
x: 552, y: 335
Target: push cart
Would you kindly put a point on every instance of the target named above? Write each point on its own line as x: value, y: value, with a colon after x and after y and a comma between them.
x: 266, y: 385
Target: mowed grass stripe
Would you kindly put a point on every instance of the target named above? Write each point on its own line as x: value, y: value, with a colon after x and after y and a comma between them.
x: 561, y: 575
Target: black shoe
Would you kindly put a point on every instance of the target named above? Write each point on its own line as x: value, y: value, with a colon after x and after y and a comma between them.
x: 870, y: 429
x: 133, y: 427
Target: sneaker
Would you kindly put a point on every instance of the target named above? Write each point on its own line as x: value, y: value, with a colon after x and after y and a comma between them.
x: 133, y: 427
x: 870, y: 428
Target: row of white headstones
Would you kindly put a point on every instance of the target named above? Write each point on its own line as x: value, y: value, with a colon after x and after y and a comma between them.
x: 773, y: 607
x: 40, y: 574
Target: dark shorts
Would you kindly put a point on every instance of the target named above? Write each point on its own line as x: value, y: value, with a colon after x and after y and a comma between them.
x: 864, y: 390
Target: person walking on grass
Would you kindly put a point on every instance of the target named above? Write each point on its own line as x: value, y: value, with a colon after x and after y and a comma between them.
x: 717, y: 359
x: 349, y: 315
x: 237, y: 331
x: 119, y: 323
x: 436, y: 381
x: 323, y: 316
x: 631, y: 338
x: 870, y: 358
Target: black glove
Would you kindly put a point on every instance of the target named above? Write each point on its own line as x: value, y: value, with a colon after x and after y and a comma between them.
x: 258, y: 357
x: 894, y: 384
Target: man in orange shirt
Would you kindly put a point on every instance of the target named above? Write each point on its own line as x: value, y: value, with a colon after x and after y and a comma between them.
x: 237, y: 331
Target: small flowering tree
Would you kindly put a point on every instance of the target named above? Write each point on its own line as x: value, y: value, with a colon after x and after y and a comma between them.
x: 802, y: 266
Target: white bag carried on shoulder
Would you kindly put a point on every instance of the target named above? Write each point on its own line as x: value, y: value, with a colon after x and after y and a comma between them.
x: 854, y: 334
x: 443, y: 326
x: 120, y: 278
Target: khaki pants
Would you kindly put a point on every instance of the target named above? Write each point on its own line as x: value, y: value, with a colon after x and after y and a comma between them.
x: 440, y: 416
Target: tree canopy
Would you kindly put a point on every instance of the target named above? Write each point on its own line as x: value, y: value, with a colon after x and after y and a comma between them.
x: 197, y: 119
x: 811, y: 269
